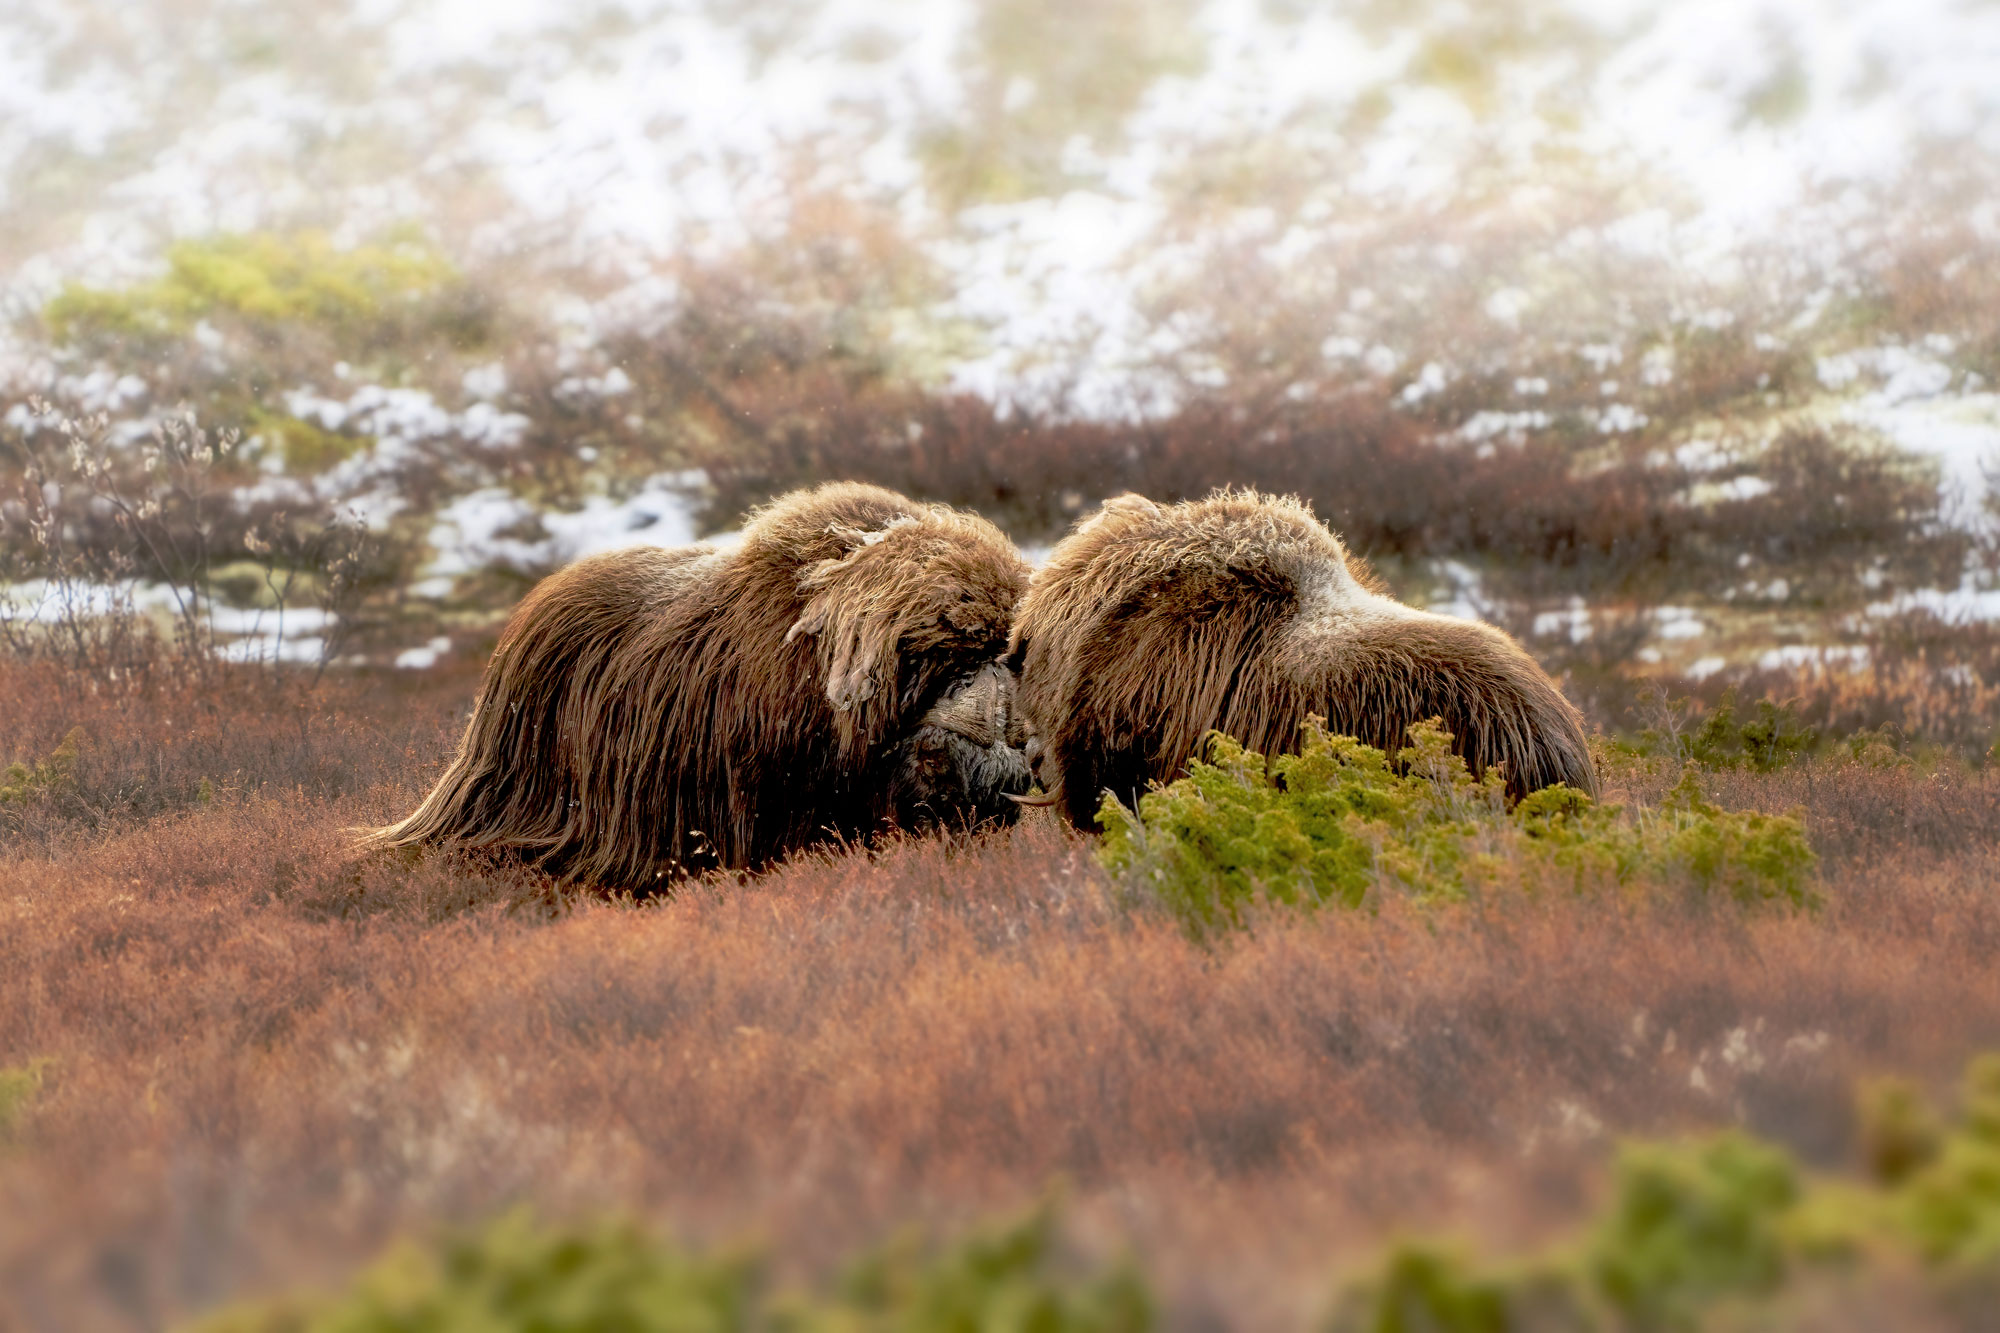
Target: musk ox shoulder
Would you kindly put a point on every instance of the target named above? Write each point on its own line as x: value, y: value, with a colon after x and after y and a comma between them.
x: 1152, y: 625
x: 654, y: 710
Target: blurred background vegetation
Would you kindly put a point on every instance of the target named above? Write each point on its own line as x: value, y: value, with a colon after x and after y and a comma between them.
x: 1664, y: 336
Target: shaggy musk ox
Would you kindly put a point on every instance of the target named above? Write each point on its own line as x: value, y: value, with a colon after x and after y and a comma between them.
x: 1152, y: 625
x: 659, y: 709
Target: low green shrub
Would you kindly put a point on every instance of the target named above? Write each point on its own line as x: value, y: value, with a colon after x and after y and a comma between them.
x: 1771, y: 737
x: 304, y: 448
x: 1691, y: 1225
x: 1003, y: 1277
x: 615, y: 1277
x: 1879, y: 747
x: 1899, y: 1131
x: 1337, y: 819
x: 1421, y: 1287
x: 1689, y: 1228
x: 266, y: 279
x: 514, y: 1274
x: 19, y: 1086
x: 24, y: 782
x: 1949, y: 1208
x: 1696, y: 1234
x: 1730, y: 1224
x: 1768, y: 736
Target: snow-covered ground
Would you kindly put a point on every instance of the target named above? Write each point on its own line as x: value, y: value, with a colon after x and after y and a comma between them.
x: 650, y: 127
x: 293, y: 634
x: 643, y: 130
x: 473, y: 532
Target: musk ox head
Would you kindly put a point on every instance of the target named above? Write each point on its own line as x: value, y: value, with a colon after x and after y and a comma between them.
x: 958, y: 768
x: 1152, y: 625
x: 654, y: 710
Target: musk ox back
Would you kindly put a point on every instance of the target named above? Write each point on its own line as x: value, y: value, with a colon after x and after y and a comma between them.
x: 1152, y: 625
x: 653, y: 710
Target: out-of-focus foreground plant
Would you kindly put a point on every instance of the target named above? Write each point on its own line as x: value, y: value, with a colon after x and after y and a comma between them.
x: 1726, y: 1227
x: 517, y: 1274
x: 1729, y: 1226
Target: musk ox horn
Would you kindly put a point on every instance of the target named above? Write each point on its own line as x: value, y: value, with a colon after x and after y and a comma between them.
x: 1150, y: 626
x: 655, y: 710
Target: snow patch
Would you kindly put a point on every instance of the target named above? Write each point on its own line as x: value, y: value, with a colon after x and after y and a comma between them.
x: 495, y: 527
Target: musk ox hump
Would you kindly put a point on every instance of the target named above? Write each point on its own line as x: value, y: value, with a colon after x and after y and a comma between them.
x: 915, y: 586
x: 856, y: 634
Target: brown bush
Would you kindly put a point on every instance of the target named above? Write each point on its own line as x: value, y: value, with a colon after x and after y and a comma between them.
x: 1550, y: 514
x: 157, y: 735
x: 268, y: 1056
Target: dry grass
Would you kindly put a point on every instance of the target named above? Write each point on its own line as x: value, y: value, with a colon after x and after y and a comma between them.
x: 154, y: 735
x: 1934, y: 682
x: 268, y: 1059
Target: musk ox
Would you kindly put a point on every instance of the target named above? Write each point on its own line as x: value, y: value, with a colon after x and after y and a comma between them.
x: 1152, y: 625
x: 655, y: 710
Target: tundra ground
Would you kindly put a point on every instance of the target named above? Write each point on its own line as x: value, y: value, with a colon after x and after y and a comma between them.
x: 260, y: 1059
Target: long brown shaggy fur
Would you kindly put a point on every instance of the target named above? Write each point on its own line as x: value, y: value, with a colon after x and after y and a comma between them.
x: 657, y: 709
x: 1150, y: 626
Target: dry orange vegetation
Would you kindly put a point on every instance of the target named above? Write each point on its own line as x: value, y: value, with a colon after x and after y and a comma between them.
x: 1665, y: 341
x: 265, y: 1059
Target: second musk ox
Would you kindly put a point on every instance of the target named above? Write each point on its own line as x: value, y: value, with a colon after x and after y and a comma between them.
x: 1152, y: 625
x: 655, y: 709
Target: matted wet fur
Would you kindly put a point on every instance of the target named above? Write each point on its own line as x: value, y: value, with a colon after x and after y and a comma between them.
x: 657, y: 709
x: 1152, y: 625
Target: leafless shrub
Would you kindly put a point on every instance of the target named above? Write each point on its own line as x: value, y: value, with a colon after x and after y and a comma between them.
x: 100, y: 519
